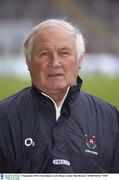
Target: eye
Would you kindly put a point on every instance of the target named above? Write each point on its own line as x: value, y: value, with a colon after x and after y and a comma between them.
x: 44, y: 53
x: 64, y: 53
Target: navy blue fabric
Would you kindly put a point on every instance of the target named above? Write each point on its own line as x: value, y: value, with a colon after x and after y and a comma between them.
x: 85, y: 139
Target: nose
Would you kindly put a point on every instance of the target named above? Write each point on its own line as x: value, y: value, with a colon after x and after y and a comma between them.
x: 55, y: 61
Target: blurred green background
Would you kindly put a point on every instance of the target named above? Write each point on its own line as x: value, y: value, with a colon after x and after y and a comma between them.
x: 98, y: 85
x: 98, y: 22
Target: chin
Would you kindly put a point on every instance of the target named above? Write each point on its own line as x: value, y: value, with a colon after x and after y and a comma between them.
x: 58, y: 87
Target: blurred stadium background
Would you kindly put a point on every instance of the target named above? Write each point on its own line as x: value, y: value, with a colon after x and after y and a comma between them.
x: 99, y: 23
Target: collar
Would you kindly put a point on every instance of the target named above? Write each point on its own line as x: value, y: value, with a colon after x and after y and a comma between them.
x: 57, y: 106
x: 69, y: 99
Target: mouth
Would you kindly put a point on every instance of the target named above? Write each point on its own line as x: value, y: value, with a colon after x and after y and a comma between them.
x: 55, y: 75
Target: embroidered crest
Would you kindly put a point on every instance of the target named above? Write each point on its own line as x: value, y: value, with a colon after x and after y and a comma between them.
x: 90, y: 142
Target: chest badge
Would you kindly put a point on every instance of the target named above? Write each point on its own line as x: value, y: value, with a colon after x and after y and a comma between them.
x: 90, y: 144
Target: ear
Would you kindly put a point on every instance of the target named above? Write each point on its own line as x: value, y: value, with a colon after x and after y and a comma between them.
x: 80, y: 61
x: 28, y: 62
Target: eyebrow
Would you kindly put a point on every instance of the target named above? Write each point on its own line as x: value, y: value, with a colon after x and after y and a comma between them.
x: 43, y: 49
x: 47, y: 49
x: 65, y: 48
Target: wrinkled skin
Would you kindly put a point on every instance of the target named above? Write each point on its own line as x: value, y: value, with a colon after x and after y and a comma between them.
x: 54, y: 65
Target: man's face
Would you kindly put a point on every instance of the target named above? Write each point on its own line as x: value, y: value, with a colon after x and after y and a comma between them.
x: 53, y: 66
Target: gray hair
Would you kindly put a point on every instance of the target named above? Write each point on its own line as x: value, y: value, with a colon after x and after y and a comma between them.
x: 28, y: 43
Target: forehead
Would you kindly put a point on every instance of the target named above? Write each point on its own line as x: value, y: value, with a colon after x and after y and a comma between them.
x: 54, y: 33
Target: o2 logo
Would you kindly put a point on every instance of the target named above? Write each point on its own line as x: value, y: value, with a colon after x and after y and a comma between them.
x: 29, y: 142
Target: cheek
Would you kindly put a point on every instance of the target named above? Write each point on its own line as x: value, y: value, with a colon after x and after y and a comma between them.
x: 72, y: 73
x: 73, y: 68
x: 38, y: 69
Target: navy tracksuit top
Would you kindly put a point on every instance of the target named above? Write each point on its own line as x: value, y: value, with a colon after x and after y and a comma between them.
x: 85, y: 139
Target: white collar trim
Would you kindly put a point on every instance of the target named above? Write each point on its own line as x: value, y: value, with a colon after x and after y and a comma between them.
x: 57, y: 106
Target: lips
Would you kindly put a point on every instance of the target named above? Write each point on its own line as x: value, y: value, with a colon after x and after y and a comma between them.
x: 54, y: 75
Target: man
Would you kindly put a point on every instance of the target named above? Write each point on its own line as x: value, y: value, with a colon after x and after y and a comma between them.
x: 54, y: 127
